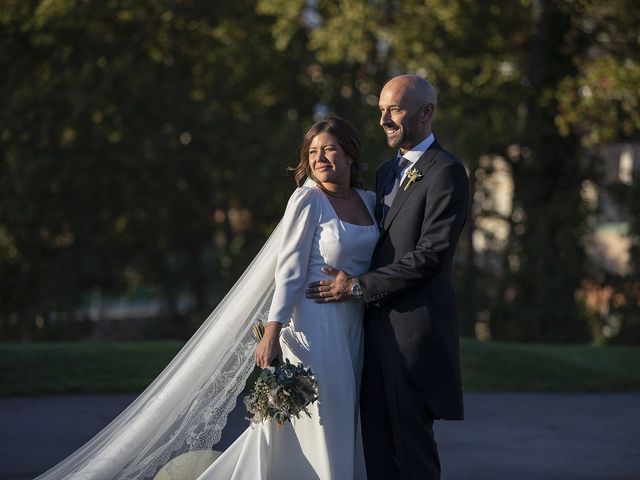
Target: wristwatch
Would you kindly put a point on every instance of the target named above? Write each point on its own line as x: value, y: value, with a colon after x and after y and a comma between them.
x: 356, y: 289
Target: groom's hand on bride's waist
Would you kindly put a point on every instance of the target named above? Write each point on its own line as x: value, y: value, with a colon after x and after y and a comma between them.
x: 337, y: 289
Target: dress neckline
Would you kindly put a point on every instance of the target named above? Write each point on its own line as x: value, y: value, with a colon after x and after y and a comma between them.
x: 324, y: 195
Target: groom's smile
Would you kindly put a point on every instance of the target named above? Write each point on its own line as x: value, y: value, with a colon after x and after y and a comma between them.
x: 391, y: 130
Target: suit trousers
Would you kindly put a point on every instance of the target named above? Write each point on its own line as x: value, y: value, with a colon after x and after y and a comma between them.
x: 397, y: 424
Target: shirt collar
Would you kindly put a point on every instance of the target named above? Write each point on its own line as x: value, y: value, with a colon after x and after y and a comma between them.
x: 416, y: 152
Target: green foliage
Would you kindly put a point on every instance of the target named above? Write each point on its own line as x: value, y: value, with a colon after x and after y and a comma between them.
x: 138, y: 141
x: 513, y: 80
x: 280, y: 393
x: 627, y: 309
x: 143, y: 145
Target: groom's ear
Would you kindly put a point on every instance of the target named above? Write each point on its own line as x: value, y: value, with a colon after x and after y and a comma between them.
x: 428, y: 111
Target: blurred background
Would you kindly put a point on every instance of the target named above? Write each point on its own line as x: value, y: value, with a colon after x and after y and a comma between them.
x: 144, y: 147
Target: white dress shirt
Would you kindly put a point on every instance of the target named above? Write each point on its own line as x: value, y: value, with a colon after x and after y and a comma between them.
x: 414, y: 154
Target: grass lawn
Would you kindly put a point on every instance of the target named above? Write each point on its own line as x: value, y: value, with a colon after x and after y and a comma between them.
x: 82, y: 367
x: 507, y: 366
x: 87, y: 367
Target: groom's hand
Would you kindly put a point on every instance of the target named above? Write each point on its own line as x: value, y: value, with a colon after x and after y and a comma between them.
x: 336, y: 290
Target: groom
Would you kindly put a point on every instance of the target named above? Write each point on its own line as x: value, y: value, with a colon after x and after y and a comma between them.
x: 411, y: 373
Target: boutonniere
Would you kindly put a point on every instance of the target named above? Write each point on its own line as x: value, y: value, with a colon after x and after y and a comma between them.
x: 413, y: 176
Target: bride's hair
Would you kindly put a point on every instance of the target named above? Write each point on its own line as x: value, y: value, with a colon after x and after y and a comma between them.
x: 348, y: 138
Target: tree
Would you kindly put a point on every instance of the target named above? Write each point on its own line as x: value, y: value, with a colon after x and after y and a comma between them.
x: 144, y: 144
x: 506, y: 72
x: 138, y: 140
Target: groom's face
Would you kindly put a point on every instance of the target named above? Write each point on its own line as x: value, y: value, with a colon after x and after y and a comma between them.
x: 398, y: 119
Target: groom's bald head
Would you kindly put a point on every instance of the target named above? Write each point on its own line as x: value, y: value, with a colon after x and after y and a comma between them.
x: 415, y: 89
x: 407, y: 105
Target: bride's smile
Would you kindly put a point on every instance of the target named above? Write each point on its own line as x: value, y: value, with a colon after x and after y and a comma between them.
x: 328, y: 161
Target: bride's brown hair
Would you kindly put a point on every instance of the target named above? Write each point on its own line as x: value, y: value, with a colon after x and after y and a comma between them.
x: 348, y: 138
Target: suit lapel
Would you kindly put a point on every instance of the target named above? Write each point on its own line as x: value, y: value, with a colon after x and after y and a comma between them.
x: 379, y: 192
x: 424, y: 163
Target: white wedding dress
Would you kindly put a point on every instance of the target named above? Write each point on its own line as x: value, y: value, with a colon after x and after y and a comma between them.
x: 326, y: 337
x: 181, y: 415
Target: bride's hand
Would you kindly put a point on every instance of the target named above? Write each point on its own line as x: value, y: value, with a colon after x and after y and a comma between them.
x: 269, y: 347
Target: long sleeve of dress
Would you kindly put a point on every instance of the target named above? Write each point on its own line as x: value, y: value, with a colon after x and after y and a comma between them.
x: 298, y: 227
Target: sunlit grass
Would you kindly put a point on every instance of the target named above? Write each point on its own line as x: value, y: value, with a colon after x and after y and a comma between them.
x: 89, y: 367
x: 516, y: 366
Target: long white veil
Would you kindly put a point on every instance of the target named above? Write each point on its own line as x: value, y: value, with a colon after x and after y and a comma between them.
x: 186, y: 407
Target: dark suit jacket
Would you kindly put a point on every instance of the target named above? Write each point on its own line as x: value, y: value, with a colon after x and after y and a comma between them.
x: 409, y: 290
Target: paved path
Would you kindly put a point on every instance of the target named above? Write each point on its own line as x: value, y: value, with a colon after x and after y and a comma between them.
x: 510, y: 436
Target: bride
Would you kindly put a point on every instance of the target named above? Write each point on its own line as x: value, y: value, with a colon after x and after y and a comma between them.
x: 328, y: 221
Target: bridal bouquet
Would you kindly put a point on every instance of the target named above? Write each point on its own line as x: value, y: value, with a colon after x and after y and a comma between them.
x: 281, y: 392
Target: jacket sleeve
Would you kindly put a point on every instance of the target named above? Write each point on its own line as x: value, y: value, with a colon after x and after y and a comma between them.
x: 298, y: 227
x: 445, y: 213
